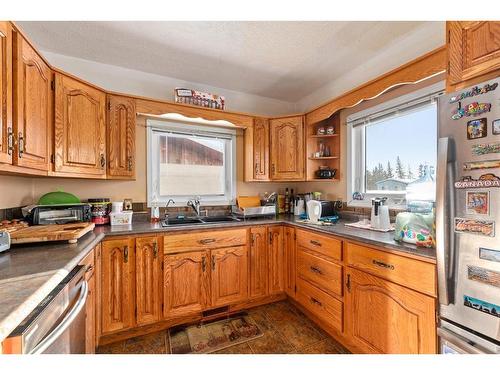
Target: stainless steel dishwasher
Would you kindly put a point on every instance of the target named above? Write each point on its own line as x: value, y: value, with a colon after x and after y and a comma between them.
x: 57, y: 324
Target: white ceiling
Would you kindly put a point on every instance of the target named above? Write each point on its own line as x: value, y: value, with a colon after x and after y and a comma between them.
x: 282, y: 60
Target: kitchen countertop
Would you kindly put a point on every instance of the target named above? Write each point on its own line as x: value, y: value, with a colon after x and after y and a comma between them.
x: 29, y: 272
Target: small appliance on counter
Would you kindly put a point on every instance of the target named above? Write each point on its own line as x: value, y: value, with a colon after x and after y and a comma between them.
x: 57, y: 207
x: 380, y: 214
x: 314, y: 208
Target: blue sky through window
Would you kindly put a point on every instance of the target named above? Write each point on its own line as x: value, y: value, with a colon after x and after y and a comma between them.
x: 412, y: 137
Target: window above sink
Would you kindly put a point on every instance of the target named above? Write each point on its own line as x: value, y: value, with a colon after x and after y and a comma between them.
x: 187, y: 160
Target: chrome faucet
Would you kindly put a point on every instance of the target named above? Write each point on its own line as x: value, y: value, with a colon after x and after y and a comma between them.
x: 166, y: 212
x: 195, y: 204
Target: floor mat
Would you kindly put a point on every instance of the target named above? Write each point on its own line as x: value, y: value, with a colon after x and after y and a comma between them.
x: 213, y: 336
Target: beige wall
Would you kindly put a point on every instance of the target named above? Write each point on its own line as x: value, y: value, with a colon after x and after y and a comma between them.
x: 18, y: 191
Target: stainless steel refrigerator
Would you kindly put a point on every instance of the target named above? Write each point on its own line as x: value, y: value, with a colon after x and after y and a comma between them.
x: 468, y: 219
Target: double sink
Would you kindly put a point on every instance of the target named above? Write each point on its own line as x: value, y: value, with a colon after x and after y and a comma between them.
x: 198, y: 220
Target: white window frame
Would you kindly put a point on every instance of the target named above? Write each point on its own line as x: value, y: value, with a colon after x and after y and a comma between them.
x: 356, y: 147
x: 153, y: 164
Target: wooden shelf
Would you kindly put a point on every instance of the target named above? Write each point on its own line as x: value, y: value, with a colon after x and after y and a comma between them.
x: 324, y: 158
x: 324, y: 179
x: 324, y: 135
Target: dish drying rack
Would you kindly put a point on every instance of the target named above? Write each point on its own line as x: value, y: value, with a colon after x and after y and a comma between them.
x: 249, y: 212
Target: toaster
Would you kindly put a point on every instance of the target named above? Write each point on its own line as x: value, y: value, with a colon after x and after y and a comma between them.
x: 58, y: 213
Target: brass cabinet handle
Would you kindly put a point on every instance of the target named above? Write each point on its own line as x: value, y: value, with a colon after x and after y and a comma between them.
x: 213, y: 262
x: 129, y: 161
x: 252, y: 240
x: 273, y: 169
x: 103, y: 161
x: 206, y: 241
x: 256, y: 168
x: 316, y: 302
x: 155, y: 250
x: 10, y: 141
x: 315, y: 243
x: 203, y: 264
x: 89, y: 269
x: 270, y: 238
x: 21, y: 144
x: 382, y: 264
x: 125, y: 254
x: 348, y: 283
x: 316, y: 270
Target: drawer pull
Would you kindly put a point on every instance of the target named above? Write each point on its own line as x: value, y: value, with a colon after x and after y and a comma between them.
x: 316, y: 243
x: 316, y: 302
x: 203, y: 264
x: 213, y: 262
x: 206, y: 241
x: 348, y: 283
x: 382, y: 264
x: 316, y: 270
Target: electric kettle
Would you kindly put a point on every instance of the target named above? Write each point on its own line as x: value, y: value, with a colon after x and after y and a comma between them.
x: 380, y: 214
x: 314, y: 210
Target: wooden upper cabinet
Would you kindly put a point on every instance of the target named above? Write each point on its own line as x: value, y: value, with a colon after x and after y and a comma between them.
x: 121, y: 114
x: 258, y: 262
x: 80, y: 131
x: 33, y: 98
x: 148, y: 280
x: 473, y: 49
x: 276, y: 260
x: 229, y: 278
x: 383, y: 317
x: 117, y: 285
x: 290, y: 260
x: 6, y: 129
x: 287, y: 148
x: 261, y: 149
x: 186, y: 283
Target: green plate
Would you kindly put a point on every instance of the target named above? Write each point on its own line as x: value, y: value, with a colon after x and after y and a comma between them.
x: 58, y: 197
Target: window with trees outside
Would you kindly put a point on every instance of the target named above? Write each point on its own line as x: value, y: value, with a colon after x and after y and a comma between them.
x: 394, y: 151
x: 186, y: 161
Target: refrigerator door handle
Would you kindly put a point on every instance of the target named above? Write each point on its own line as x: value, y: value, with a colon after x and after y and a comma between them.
x: 445, y: 203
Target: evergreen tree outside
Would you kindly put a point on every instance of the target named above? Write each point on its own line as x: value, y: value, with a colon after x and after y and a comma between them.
x: 409, y: 175
x: 390, y: 172
x: 400, y: 173
x: 421, y: 170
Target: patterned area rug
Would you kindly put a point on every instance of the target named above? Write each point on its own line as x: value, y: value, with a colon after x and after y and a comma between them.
x: 213, y: 336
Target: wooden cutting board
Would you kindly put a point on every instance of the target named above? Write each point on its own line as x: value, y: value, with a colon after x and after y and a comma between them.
x: 244, y: 202
x: 54, y: 232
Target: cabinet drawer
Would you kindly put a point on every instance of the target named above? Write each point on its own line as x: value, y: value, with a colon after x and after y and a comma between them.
x: 415, y: 274
x: 321, y: 304
x: 324, y: 274
x: 175, y: 243
x: 326, y: 245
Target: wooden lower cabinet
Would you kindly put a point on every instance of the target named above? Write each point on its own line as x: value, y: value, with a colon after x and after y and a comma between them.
x: 229, y: 276
x: 276, y: 260
x: 148, y: 280
x: 290, y: 260
x: 186, y: 285
x: 117, y: 267
x: 383, y: 317
x: 258, y: 277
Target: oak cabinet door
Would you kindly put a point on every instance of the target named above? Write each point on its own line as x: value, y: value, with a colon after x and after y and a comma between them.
x: 287, y: 148
x: 6, y: 129
x: 33, y: 98
x: 383, y: 317
x: 117, y: 285
x: 258, y: 262
x: 276, y: 260
x: 290, y: 260
x: 229, y: 277
x: 80, y: 132
x: 121, y: 137
x: 148, y: 280
x: 186, y: 288
x: 473, y: 49
x: 261, y: 149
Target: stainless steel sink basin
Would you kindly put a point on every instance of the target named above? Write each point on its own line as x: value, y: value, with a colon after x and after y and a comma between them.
x: 195, y: 220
